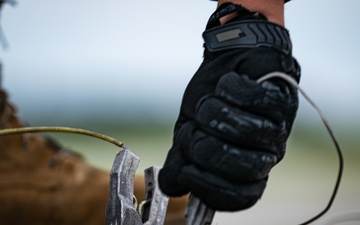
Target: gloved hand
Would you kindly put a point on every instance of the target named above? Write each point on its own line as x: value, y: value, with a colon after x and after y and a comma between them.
x: 231, y: 129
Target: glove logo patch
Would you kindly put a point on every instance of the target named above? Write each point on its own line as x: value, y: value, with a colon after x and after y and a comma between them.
x: 229, y: 35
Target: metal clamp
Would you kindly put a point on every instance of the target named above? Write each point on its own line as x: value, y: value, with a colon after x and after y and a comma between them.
x: 197, y: 213
x: 120, y: 209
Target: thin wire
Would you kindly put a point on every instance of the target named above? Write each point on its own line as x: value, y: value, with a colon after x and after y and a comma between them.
x: 141, y: 206
x: 22, y: 130
x: 294, y: 83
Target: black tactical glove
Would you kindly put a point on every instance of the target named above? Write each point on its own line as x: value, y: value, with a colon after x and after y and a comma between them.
x: 231, y: 129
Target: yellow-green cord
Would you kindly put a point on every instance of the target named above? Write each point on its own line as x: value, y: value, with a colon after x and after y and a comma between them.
x: 22, y: 130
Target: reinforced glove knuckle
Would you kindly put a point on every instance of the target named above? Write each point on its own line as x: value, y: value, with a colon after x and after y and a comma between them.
x: 238, y: 89
x: 235, y: 125
x: 271, y: 99
x: 232, y: 162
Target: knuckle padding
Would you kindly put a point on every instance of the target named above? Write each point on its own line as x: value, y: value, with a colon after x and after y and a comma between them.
x: 240, y: 90
x: 233, y: 162
x: 266, y: 98
x: 236, y: 126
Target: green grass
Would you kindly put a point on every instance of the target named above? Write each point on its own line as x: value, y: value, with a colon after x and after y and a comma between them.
x: 299, y: 186
x: 311, y: 155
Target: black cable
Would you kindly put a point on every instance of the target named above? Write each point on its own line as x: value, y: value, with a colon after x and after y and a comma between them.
x: 332, y: 135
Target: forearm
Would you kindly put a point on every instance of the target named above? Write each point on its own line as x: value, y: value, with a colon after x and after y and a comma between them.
x: 273, y: 10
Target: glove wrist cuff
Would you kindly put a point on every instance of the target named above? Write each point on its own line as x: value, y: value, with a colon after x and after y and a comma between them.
x: 247, y: 34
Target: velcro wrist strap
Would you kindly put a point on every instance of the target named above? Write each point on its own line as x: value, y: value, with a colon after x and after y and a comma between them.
x: 247, y: 34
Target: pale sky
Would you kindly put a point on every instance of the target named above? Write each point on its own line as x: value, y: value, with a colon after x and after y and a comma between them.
x: 73, y: 59
x: 137, y: 56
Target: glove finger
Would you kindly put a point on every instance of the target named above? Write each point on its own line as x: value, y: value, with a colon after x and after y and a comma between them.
x: 220, y: 194
x: 168, y: 179
x: 267, y: 98
x: 233, y: 163
x: 237, y: 126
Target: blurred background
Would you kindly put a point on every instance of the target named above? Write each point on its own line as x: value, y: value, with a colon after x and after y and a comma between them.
x: 120, y: 68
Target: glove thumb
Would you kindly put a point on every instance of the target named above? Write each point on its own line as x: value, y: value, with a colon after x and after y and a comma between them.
x: 168, y: 175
